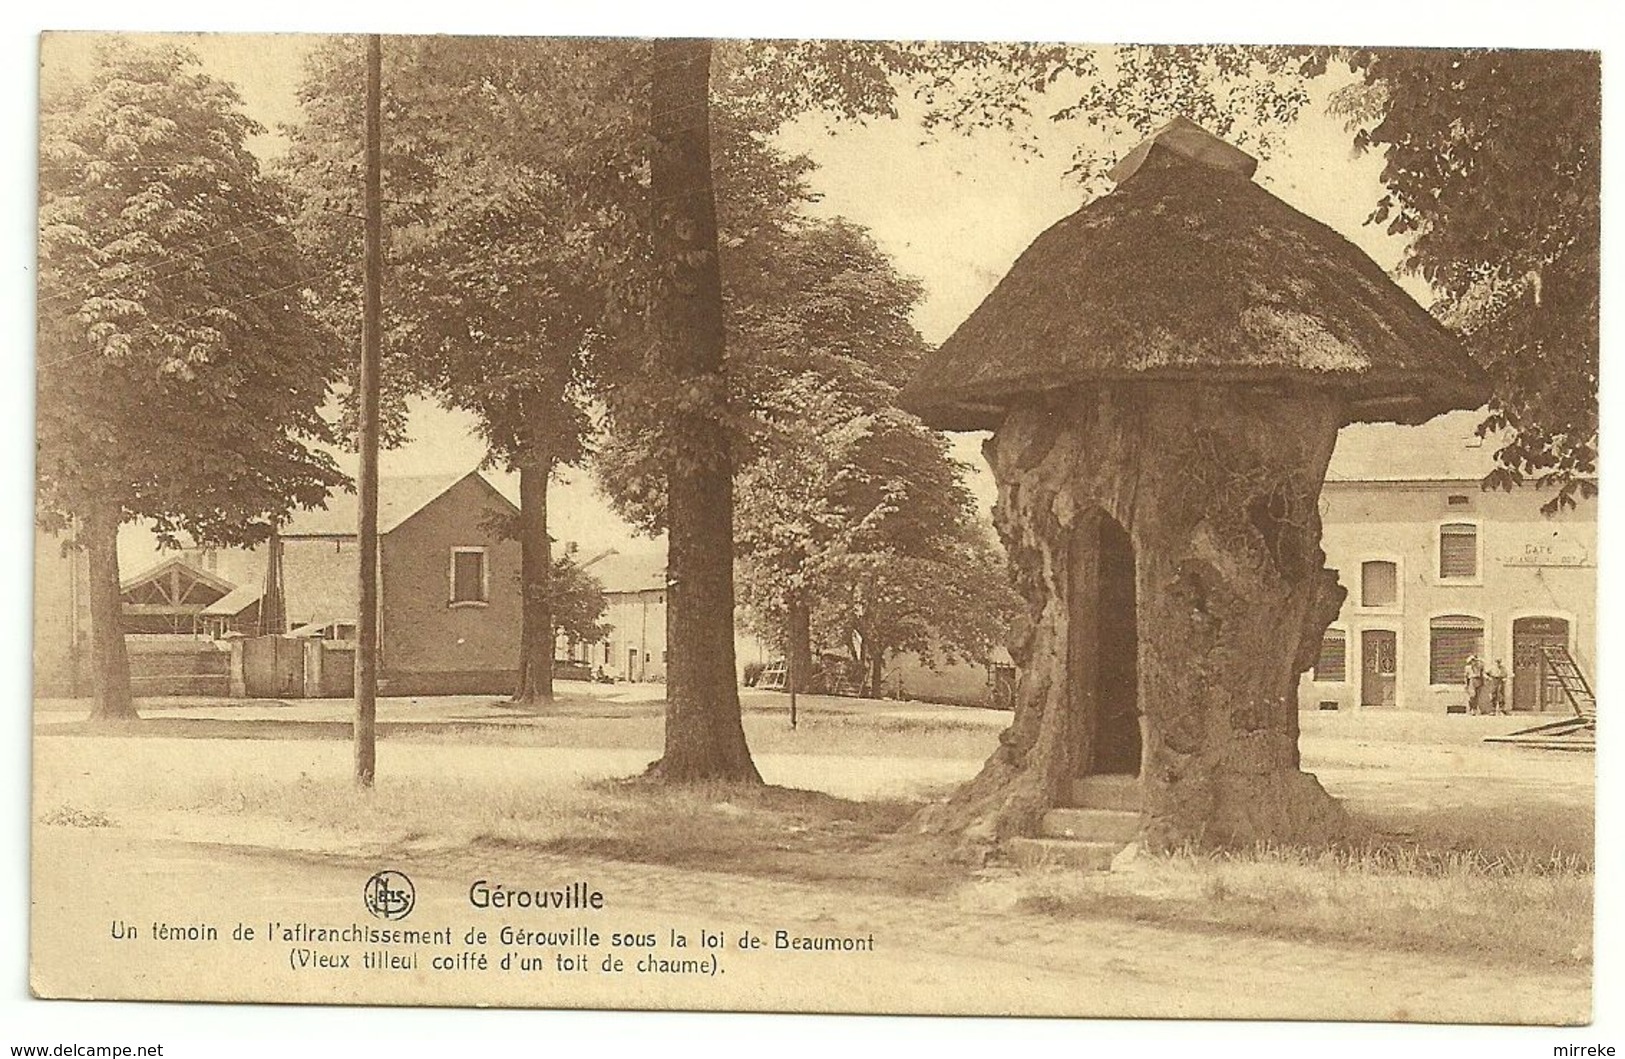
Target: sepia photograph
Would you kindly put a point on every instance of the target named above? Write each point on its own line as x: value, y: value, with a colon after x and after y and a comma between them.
x: 814, y: 526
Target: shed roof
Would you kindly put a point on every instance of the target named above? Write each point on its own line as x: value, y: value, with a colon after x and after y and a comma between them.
x: 1189, y: 270
x: 185, y: 570
x: 236, y: 601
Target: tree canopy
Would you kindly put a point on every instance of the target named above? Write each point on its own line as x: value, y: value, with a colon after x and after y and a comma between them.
x: 179, y: 377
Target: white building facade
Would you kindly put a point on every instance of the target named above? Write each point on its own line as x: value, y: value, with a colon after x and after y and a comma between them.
x: 1438, y: 569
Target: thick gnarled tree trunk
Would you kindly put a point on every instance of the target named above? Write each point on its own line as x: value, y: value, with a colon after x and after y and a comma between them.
x: 535, y: 684
x: 705, y: 737
x: 109, y: 657
x: 1218, y: 488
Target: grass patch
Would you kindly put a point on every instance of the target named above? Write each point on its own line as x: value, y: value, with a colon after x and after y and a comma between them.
x: 72, y: 816
x: 1518, y: 836
x: 867, y: 729
x: 771, y: 832
x: 1501, y: 907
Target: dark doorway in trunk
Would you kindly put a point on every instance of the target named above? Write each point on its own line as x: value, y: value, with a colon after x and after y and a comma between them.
x: 1104, y: 651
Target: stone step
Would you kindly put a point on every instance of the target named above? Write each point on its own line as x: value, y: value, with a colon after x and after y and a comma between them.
x: 1061, y: 853
x: 1121, y: 793
x: 1091, y: 825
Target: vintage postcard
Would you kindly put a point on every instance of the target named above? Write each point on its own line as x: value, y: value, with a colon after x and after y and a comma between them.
x: 1074, y: 530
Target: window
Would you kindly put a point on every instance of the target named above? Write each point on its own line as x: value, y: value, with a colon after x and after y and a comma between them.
x: 1379, y: 584
x: 606, y: 652
x: 469, y: 583
x: 1459, y: 500
x: 1331, y: 667
x: 1451, y: 638
x: 1458, y: 551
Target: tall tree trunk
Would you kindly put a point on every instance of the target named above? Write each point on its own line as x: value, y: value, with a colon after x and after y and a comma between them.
x: 705, y: 737
x: 1218, y: 489
x: 536, y: 573
x: 877, y: 673
x: 798, y: 646
x: 110, y: 659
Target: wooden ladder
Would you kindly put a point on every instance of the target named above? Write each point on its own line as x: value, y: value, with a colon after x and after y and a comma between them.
x: 1577, y: 732
x: 1573, y: 682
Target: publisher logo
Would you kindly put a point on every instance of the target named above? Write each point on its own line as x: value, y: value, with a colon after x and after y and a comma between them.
x: 389, y: 895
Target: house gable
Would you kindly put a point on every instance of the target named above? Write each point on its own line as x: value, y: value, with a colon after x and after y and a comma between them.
x: 436, y: 628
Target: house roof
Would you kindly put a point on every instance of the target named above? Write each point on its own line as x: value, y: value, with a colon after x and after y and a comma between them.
x: 640, y: 571
x: 399, y: 498
x: 1190, y: 271
x: 1444, y: 449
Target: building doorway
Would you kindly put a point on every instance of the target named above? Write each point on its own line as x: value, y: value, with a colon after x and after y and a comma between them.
x: 1103, y: 649
x: 1379, y: 669
x: 1534, y: 688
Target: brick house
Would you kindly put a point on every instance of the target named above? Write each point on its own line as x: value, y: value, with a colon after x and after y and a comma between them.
x: 449, y: 608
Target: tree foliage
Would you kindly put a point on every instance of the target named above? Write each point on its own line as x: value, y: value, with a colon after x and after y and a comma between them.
x: 949, y: 602
x: 846, y: 505
x: 514, y: 182
x: 179, y: 378
x: 1492, y: 164
x: 578, y: 601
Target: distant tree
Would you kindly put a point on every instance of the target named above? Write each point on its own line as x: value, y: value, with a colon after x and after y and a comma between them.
x: 859, y: 534
x: 951, y: 601
x: 837, y: 472
x: 515, y: 230
x: 578, y: 601
x: 179, y: 378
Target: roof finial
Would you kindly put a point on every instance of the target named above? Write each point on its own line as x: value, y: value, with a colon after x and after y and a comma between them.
x: 1183, y: 142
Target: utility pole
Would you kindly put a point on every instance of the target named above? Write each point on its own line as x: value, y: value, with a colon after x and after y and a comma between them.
x: 366, y: 650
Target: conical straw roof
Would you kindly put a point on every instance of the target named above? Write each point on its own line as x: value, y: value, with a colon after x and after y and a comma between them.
x: 1189, y: 270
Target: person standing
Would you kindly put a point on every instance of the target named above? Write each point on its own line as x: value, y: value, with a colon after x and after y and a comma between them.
x: 1496, y: 676
x: 1474, y: 679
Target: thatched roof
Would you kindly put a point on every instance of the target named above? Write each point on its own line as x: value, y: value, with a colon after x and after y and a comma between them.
x: 1189, y: 270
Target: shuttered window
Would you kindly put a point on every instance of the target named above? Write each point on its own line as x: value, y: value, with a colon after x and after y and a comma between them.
x: 1451, y: 639
x: 1458, y: 550
x: 1332, y: 665
x: 1379, y: 584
